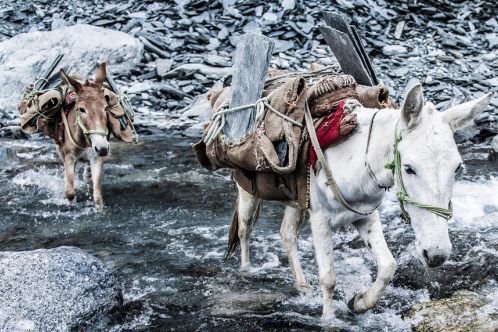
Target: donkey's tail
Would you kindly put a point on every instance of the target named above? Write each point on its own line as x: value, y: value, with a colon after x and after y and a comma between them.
x: 233, y: 234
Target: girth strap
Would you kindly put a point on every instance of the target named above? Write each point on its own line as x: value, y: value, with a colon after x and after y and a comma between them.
x: 330, y: 179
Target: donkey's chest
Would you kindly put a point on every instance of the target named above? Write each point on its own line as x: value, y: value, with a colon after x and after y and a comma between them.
x: 86, y: 155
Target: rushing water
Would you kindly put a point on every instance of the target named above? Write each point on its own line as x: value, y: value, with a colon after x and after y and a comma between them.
x: 164, y: 235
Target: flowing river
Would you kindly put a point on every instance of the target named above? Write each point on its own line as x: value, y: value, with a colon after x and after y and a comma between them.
x: 165, y: 230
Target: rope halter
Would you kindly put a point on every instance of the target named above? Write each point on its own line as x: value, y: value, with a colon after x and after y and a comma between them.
x: 85, y: 131
x: 401, y: 194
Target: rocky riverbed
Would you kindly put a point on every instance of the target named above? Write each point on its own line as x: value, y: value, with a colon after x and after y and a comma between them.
x: 165, y: 230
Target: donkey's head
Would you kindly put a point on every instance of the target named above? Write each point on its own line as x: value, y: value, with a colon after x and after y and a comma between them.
x: 429, y: 161
x: 91, y: 107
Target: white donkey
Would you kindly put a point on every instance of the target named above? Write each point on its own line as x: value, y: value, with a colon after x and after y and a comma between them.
x: 429, y: 159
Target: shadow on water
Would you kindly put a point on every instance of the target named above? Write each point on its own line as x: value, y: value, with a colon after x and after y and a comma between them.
x: 164, y: 234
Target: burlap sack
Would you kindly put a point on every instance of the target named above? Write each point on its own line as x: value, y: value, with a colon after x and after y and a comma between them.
x: 293, y: 186
x: 49, y: 104
x: 255, y: 151
x: 328, y: 92
x: 375, y: 97
x: 113, y: 118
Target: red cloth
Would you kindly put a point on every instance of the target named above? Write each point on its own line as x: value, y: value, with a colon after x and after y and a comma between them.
x: 328, y: 132
x: 68, y: 104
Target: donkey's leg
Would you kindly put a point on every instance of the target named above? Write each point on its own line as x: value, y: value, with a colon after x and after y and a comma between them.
x: 289, y: 232
x: 370, y: 230
x: 87, y: 172
x: 248, y: 209
x: 69, y: 165
x: 97, y: 165
x: 324, y: 249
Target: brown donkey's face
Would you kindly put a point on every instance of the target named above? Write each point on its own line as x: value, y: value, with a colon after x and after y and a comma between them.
x: 91, y: 105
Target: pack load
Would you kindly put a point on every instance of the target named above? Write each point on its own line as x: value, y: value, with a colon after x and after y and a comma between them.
x: 259, y: 165
x: 41, y: 111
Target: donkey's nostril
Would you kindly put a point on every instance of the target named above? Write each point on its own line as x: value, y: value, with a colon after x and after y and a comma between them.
x: 96, y: 150
x: 103, y: 152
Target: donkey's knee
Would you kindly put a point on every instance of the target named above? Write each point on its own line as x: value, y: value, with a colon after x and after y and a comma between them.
x: 327, y: 282
x: 387, y: 269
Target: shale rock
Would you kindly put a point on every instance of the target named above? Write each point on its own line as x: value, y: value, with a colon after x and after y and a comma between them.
x: 24, y: 57
x: 458, y: 314
x: 61, y: 289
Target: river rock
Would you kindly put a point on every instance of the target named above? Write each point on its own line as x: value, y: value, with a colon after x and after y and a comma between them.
x: 235, y: 304
x: 60, y: 289
x: 459, y: 313
x: 191, y: 68
x: 489, y: 57
x: 394, y: 50
x: 25, y: 56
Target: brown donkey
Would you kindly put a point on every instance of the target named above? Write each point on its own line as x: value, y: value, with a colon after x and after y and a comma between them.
x: 85, y: 134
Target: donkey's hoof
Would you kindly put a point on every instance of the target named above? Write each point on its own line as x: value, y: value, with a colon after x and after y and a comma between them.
x: 245, y: 267
x: 353, y: 301
x: 302, y: 288
x: 70, y: 199
x: 100, y: 207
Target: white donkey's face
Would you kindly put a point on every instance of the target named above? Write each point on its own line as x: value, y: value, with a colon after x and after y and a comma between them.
x: 429, y: 161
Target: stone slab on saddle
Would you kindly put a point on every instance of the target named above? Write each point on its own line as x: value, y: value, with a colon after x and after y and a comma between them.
x: 352, y: 55
x: 345, y: 52
x: 60, y: 289
x: 252, y: 59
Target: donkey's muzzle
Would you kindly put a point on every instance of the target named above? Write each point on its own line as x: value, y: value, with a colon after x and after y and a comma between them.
x: 102, y: 151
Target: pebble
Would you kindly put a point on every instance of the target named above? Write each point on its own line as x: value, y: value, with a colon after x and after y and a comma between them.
x: 394, y: 50
x: 445, y: 58
x: 489, y: 57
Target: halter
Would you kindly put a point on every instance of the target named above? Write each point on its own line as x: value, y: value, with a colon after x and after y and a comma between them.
x: 85, y: 131
x: 395, y: 166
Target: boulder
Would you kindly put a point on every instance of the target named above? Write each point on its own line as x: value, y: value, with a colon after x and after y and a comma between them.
x: 24, y: 57
x: 60, y: 289
x: 458, y: 313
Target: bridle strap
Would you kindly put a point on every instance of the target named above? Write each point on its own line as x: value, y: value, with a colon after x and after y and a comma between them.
x: 372, y: 174
x: 68, y: 131
x: 401, y: 193
x: 85, y: 131
x: 330, y: 179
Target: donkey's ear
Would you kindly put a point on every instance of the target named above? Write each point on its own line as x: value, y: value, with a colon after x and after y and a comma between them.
x: 412, y: 106
x: 70, y: 82
x: 462, y: 115
x: 100, y: 76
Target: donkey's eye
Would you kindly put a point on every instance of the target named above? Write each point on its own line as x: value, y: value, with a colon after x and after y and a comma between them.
x: 459, y: 167
x: 82, y: 110
x: 409, y: 170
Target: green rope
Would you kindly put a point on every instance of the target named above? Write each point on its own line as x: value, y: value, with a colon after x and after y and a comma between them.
x: 401, y: 194
x: 121, y: 99
x: 31, y: 96
x: 85, y: 131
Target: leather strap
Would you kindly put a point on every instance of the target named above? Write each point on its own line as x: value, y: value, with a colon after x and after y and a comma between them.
x: 321, y: 159
x: 68, y: 132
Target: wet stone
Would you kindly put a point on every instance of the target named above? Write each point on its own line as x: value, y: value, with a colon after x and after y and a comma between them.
x: 236, y: 304
x: 457, y: 313
x: 58, y: 289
